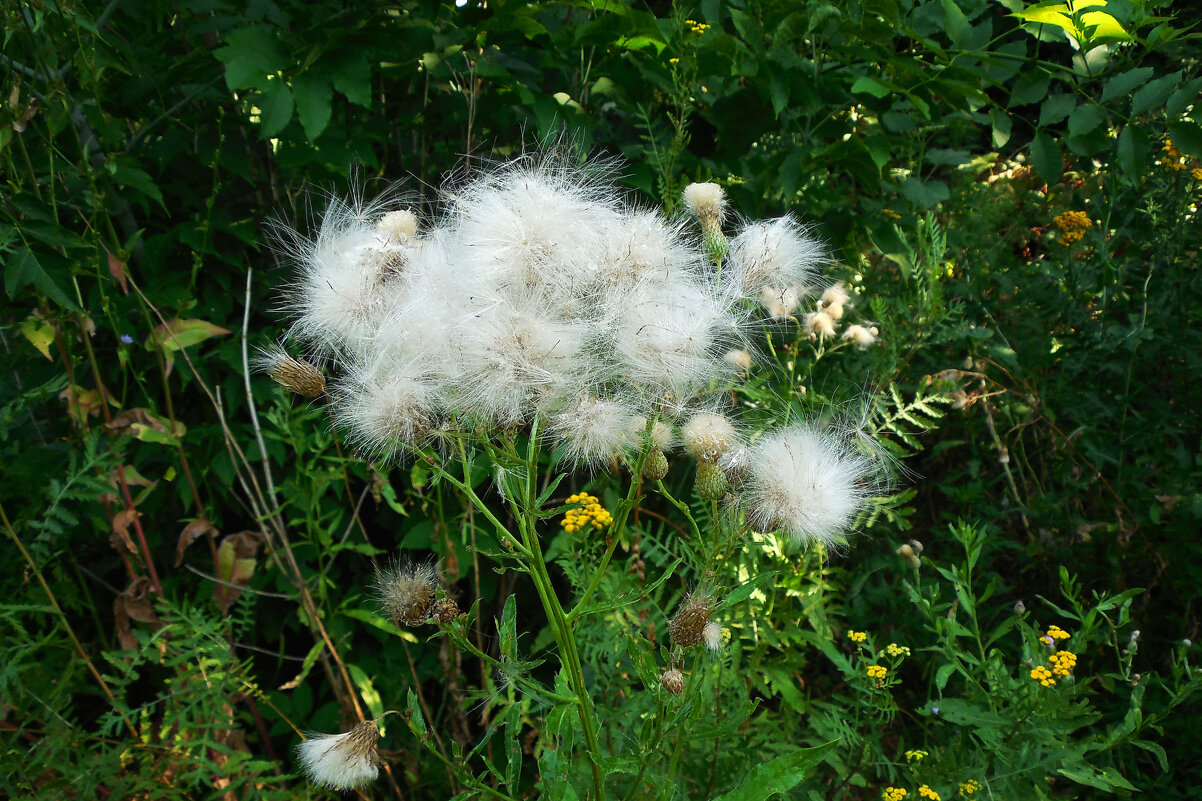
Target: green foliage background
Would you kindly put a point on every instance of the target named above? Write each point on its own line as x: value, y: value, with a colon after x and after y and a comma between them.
x: 1045, y: 395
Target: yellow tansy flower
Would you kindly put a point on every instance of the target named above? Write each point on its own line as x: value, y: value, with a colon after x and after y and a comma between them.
x: 916, y: 755
x: 927, y: 792
x: 857, y: 636
x: 893, y: 649
x: 876, y: 671
x: 893, y: 794
x: 969, y: 787
x: 1044, y: 676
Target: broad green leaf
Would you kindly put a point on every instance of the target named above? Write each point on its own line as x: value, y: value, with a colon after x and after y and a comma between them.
x: 926, y: 193
x: 1100, y: 25
x: 1055, y: 109
x: 1132, y: 151
x: 870, y: 86
x: 352, y: 77
x: 416, y: 721
x: 1030, y: 87
x: 275, y: 109
x: 778, y: 775
x: 1002, y: 126
x: 139, y: 180
x: 23, y: 269
x: 1084, y: 119
x: 955, y: 24
x: 177, y: 334
x: 1125, y: 83
x: 1055, y: 14
x: 1155, y: 93
x: 313, y: 97
x: 1106, y: 779
x: 1183, y: 98
x: 251, y: 55
x: 1046, y: 158
x: 1187, y: 137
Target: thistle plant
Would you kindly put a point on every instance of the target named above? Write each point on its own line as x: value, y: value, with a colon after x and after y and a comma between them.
x: 539, y: 323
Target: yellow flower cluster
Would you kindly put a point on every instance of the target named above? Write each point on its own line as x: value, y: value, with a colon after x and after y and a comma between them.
x: 969, y: 787
x: 590, y: 513
x: 857, y: 636
x: 1172, y: 157
x: 893, y: 649
x: 927, y: 792
x: 890, y: 214
x: 876, y: 671
x: 1063, y: 663
x: 1196, y: 172
x: 1043, y: 676
x: 1072, y: 226
x: 894, y: 794
x: 1057, y: 633
x: 916, y: 755
x: 697, y: 27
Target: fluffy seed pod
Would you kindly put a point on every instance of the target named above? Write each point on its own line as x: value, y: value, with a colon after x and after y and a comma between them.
x: 712, y: 636
x: 405, y: 592
x: 687, y: 626
x: 342, y: 761
x: 707, y: 436
x: 673, y: 681
x: 400, y: 226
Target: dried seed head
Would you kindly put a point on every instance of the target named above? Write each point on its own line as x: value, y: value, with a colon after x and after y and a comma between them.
x: 687, y: 627
x: 406, y: 592
x: 444, y: 610
x: 342, y: 761
x: 294, y: 375
x: 673, y: 681
x: 706, y: 202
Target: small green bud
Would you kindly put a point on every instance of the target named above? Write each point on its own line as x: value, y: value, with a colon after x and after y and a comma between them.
x: 656, y: 466
x: 711, y: 482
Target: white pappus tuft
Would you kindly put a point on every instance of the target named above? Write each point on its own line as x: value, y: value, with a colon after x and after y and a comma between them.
x: 806, y: 483
x: 711, y: 635
x: 593, y: 431
x: 341, y: 761
x: 773, y: 254
x: 385, y: 407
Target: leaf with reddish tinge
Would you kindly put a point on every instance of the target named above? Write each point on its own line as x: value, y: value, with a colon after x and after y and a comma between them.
x: 117, y: 270
x: 235, y: 566
x: 191, y: 533
x: 177, y: 334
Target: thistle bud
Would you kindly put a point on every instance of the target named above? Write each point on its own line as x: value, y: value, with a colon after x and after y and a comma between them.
x: 706, y: 202
x: 711, y: 482
x: 405, y: 592
x: 656, y: 465
x: 673, y: 681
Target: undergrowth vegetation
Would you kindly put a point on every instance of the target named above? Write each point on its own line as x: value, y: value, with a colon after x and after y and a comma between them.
x: 460, y: 552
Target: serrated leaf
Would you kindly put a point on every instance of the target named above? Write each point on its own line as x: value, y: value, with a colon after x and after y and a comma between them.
x: 1084, y: 119
x: 1056, y: 108
x: 23, y: 269
x: 1132, y: 150
x: 1155, y: 93
x: 251, y: 55
x: 956, y: 25
x: 417, y: 723
x: 313, y: 97
x: 870, y: 86
x: 39, y: 333
x: 352, y: 77
x: 1187, y: 137
x: 135, y: 178
x: 275, y: 109
x: 1125, y: 82
x: 778, y: 775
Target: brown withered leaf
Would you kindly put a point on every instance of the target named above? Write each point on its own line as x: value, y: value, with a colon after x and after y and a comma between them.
x: 235, y: 566
x: 121, y: 422
x: 120, y: 534
x: 133, y: 604
x: 191, y: 533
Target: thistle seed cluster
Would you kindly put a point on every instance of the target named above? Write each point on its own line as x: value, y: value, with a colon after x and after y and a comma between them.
x: 691, y: 625
x: 536, y: 290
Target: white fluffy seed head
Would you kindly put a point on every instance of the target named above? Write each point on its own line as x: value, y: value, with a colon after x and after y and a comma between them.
x: 593, y: 431
x: 774, y: 253
x: 835, y: 295
x: 819, y: 324
x: 384, y: 408
x: 406, y: 592
x: 707, y: 436
x: 643, y: 247
x: 398, y: 226
x: 860, y: 335
x: 779, y: 303
x: 341, y: 761
x: 740, y: 359
x: 661, y: 433
x: 806, y: 483
x: 706, y: 202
